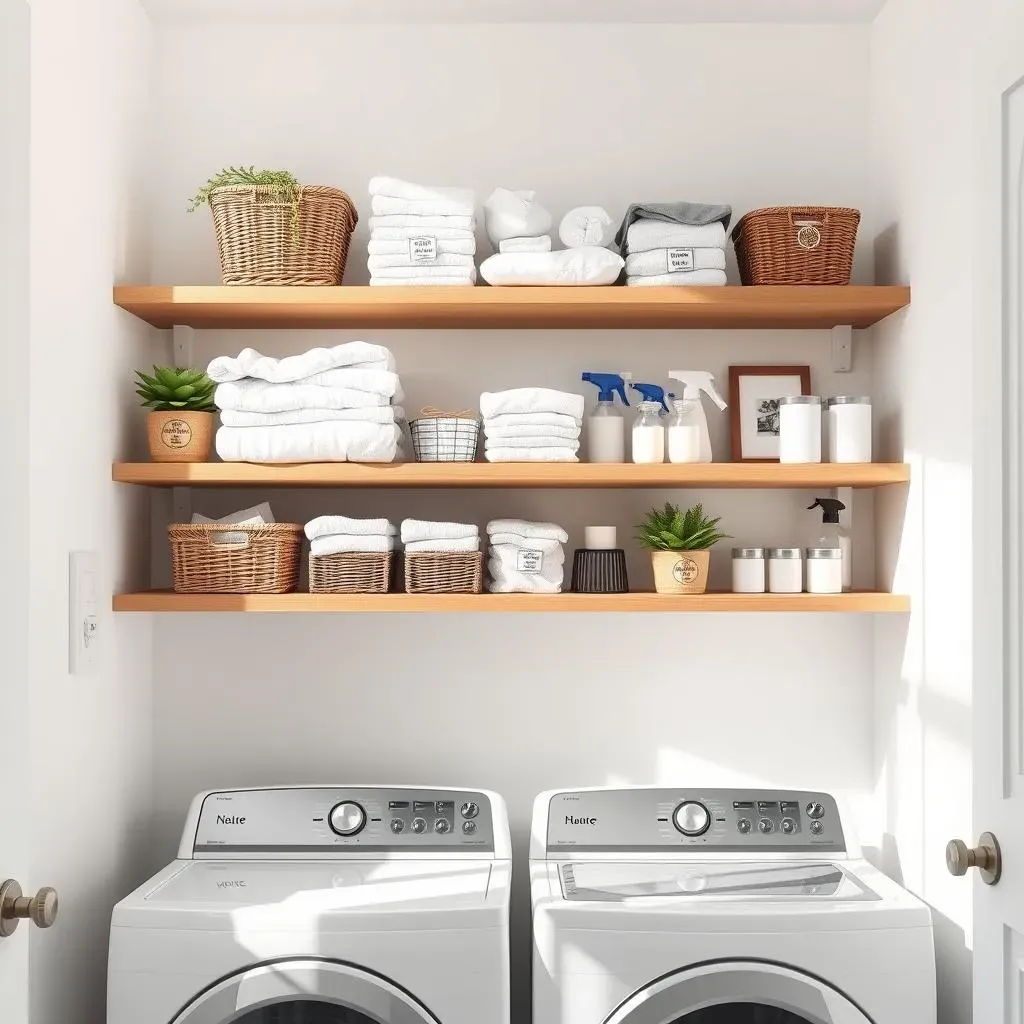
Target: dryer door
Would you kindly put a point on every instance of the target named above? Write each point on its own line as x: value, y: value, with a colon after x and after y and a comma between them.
x: 738, y: 992
x: 305, y: 992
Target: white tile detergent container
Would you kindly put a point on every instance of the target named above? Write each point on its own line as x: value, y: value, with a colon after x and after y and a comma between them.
x: 606, y: 426
x: 649, y: 426
x: 688, y: 437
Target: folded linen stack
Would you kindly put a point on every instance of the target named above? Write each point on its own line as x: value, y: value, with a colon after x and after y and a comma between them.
x: 674, y: 244
x: 515, y: 222
x: 327, y: 405
x: 331, y: 535
x: 531, y: 425
x: 421, y: 234
x: 525, y: 558
x: 426, y: 535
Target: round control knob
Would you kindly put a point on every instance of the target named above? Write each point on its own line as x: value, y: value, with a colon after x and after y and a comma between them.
x: 743, y: 826
x: 468, y: 827
x: 347, y: 818
x: 419, y: 825
x: 815, y: 810
x: 469, y: 809
x: 692, y: 818
x: 397, y: 825
x: 817, y: 828
x: 766, y: 825
x: 442, y: 825
x: 788, y: 826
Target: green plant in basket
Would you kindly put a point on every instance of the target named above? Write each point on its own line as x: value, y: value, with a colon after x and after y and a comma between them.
x: 283, y: 182
x: 175, y: 389
x: 672, y: 529
x: 180, y: 421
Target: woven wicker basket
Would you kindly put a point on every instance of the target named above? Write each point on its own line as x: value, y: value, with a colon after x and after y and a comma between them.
x: 444, y: 572
x: 796, y: 245
x: 252, y: 560
x: 350, y: 572
x: 259, y: 247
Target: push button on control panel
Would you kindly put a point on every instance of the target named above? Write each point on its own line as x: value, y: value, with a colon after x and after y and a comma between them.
x: 817, y: 828
x: 766, y: 825
x: 468, y: 828
x: 397, y: 825
x: 419, y: 825
x: 743, y: 826
x: 442, y: 825
x: 788, y: 826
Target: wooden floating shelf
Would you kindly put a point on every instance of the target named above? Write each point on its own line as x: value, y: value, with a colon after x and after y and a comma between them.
x: 511, y: 474
x: 166, y: 601
x: 218, y: 306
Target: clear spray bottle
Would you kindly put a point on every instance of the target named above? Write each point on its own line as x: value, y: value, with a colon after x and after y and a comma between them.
x: 688, y: 437
x: 606, y: 426
x: 649, y: 426
x: 833, y: 535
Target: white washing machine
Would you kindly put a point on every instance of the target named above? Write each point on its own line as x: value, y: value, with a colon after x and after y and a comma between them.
x: 718, y: 906
x: 322, y: 905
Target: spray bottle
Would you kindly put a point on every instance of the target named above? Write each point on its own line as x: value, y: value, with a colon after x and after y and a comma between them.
x: 606, y: 426
x: 648, y: 428
x: 833, y: 535
x: 688, y: 437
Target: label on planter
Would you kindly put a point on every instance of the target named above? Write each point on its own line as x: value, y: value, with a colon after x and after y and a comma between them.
x: 680, y: 260
x: 685, y: 570
x: 529, y: 561
x: 175, y: 434
x: 423, y: 249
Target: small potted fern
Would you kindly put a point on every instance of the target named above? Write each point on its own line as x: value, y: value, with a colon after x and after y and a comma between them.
x: 180, y: 422
x: 680, y: 544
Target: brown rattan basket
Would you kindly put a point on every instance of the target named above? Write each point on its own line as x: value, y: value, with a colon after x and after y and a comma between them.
x: 796, y: 245
x: 257, y: 242
x: 350, y: 572
x: 253, y: 560
x: 444, y: 572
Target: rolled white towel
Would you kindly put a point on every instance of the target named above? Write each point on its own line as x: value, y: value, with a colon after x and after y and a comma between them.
x: 378, y: 414
x: 530, y: 455
x: 400, y: 246
x: 442, y: 259
x: 645, y: 234
x: 543, y: 441
x: 531, y: 400
x: 516, y: 540
x: 462, y: 544
x: 382, y: 185
x: 540, y: 243
x: 388, y: 206
x: 525, y: 528
x: 426, y: 529
x: 586, y: 225
x: 689, y: 279
x: 509, y: 214
x: 533, y: 419
x: 259, y: 396
x: 250, y: 363
x: 422, y: 225
x: 657, y: 261
x: 588, y: 266
x: 326, y: 526
x: 337, y: 543
x: 526, y: 430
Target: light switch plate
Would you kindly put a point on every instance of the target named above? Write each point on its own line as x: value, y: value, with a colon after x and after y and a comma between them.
x: 84, y: 613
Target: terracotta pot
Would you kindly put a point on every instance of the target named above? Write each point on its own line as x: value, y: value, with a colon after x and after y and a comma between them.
x: 681, y: 572
x: 180, y: 436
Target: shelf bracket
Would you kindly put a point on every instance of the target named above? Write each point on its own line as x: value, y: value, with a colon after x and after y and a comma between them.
x: 842, y: 349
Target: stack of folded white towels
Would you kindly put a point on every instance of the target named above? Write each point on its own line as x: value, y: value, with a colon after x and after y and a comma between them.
x: 421, y: 234
x: 331, y: 535
x: 525, y: 558
x: 531, y: 425
x: 420, y: 535
x: 516, y: 222
x: 674, y: 244
x: 327, y: 405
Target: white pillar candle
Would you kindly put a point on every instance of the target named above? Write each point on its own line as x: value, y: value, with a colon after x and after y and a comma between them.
x: 598, y: 538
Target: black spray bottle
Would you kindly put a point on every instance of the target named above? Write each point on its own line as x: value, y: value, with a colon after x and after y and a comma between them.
x: 833, y: 535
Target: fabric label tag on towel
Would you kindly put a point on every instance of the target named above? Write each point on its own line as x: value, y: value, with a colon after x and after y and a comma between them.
x: 423, y: 249
x: 680, y: 260
x: 530, y: 562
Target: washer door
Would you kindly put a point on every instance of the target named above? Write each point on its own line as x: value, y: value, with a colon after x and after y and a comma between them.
x: 740, y: 992
x: 305, y: 992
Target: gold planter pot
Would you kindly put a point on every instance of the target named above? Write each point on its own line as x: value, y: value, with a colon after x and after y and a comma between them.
x: 681, y: 572
x: 180, y: 436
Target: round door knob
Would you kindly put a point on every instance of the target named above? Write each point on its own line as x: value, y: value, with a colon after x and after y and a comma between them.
x: 347, y: 818
x: 986, y: 857
x: 692, y: 818
x: 15, y: 907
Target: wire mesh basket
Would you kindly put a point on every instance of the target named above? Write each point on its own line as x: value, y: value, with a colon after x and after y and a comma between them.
x: 445, y: 436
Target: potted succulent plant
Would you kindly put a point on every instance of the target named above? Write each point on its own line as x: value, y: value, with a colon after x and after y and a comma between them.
x: 680, y: 544
x: 181, y: 413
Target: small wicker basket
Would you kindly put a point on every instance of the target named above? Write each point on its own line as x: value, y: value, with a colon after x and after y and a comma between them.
x: 445, y: 436
x: 444, y: 572
x: 259, y: 246
x: 260, y: 559
x: 350, y: 572
x: 796, y: 245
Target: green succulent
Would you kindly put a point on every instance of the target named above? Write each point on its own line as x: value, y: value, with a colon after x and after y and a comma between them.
x: 175, y: 389
x: 672, y: 529
x: 284, y: 181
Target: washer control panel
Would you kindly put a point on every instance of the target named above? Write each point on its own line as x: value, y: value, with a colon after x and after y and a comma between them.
x: 318, y: 820
x: 727, y: 820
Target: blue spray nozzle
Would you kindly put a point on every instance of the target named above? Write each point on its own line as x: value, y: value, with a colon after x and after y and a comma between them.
x: 610, y: 385
x: 651, y: 393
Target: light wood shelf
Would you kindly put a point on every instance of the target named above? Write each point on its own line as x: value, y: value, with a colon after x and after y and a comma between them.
x: 166, y: 601
x: 511, y: 474
x: 217, y: 306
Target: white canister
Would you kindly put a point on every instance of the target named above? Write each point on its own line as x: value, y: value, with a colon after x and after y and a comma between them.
x: 824, y: 570
x: 800, y: 428
x: 849, y: 428
x: 748, y: 570
x: 785, y: 570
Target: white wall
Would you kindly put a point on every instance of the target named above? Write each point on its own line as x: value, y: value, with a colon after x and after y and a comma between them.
x: 90, y: 736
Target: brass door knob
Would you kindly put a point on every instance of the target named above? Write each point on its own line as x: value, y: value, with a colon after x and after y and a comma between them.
x: 15, y: 907
x: 986, y: 857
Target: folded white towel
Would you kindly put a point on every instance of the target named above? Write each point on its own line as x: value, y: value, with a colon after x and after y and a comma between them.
x: 388, y: 206
x: 530, y: 455
x: 423, y: 282
x: 535, y: 419
x: 543, y: 441
x: 400, y: 246
x: 587, y: 266
x: 340, y: 441
x: 440, y: 234
x: 442, y: 259
x: 422, y: 225
x: 260, y: 396
x: 518, y: 583
x: 541, y: 243
x: 509, y: 214
x: 418, y: 270
x: 517, y: 555
x: 381, y: 185
x: 691, y: 279
x: 643, y: 235
x: 528, y: 430
x: 586, y: 225
x: 249, y: 363
x: 515, y: 540
x: 539, y: 576
x: 531, y: 400
x: 525, y: 528
x: 339, y: 542
x: 377, y: 382
x: 328, y: 526
x: 657, y: 261
x: 427, y: 529
x: 378, y: 414
x: 462, y: 544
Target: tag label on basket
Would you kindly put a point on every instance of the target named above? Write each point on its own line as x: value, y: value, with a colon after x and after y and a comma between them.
x: 680, y: 260
x: 423, y: 249
x: 529, y: 561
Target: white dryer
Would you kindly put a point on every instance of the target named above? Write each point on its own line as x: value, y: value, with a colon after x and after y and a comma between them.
x: 715, y: 906
x: 322, y: 905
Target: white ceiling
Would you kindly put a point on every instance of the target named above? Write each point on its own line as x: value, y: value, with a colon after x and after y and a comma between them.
x: 497, y: 11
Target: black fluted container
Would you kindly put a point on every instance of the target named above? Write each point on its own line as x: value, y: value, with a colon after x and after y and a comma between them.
x: 599, y: 571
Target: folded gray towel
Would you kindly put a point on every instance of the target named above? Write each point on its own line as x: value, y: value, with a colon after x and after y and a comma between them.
x: 672, y: 213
